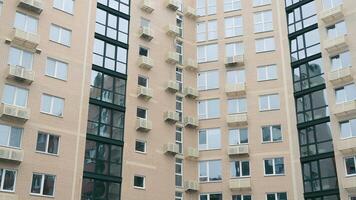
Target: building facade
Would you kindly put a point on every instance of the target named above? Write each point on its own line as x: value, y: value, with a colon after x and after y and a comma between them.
x: 177, y: 99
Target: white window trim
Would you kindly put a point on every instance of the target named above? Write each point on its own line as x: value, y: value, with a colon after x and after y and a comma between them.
x: 207, y: 139
x: 21, y: 58
x: 204, y: 74
x: 345, y: 167
x: 63, y: 6
x: 208, y: 172
x: 42, y: 185
x: 265, y: 49
x: 235, y: 26
x: 274, y: 166
x: 238, y: 137
x: 206, y: 114
x: 52, y: 104
x: 271, y: 134
x: 26, y: 23
x: 56, y: 69
x: 261, y: 3
x: 60, y: 32
x: 236, y: 46
x: 266, y: 68
x: 3, y: 180
x: 146, y: 113
x: 238, y: 106
x: 180, y: 174
x: 142, y: 141
x: 15, y: 96
x: 350, y: 130
x: 263, y: 21
x: 144, y: 182
x: 269, y: 102
x: 240, y: 167
x: 47, y: 144
x: 231, y: 2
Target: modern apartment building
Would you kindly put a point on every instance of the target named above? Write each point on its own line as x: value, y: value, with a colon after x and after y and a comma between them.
x: 177, y: 99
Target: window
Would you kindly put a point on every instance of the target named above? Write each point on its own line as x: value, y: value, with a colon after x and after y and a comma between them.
x: 234, y: 49
x: 230, y: 5
x: 241, y: 197
x: 291, y: 2
x: 269, y: 102
x: 20, y: 57
x: 1, y: 4
x: 209, y: 139
x: 277, y: 196
x: 208, y: 109
x: 237, y: 106
x: 345, y: 93
x: 179, y: 78
x: 329, y: 4
x: 315, y: 140
x: 348, y: 128
x: 56, y: 69
x: 64, y: 5
x: 112, y: 26
x: 139, y: 182
x: 141, y: 113
x: 240, y: 169
x: 102, y: 158
x: 15, y: 96
x: 207, y: 31
x: 263, y: 21
x: 145, y: 23
x: 350, y: 163
x: 271, y: 133
x: 207, y: 53
x: 179, y: 50
x: 305, y: 45
x: 140, y: 146
x: 238, y: 136
x: 109, y: 56
x: 179, y: 172
x: 261, y: 2
x: 43, y: 184
x: 267, y: 72
x: 118, y: 5
x: 142, y: 81
x: 93, y: 188
x: 179, y: 196
x: 179, y: 138
x: 274, y: 166
x: 10, y: 136
x: 308, y: 75
x: 302, y: 17
x: 233, y: 26
x: 60, y: 35
x: 210, y: 170
x: 26, y: 23
x: 235, y: 77
x: 179, y: 23
x: 319, y: 175
x: 211, y: 7
x: 210, y: 197
x: 205, y: 7
x: 341, y: 60
x: 312, y: 106
x: 7, y: 180
x: 105, y: 122
x: 208, y: 80
x: 52, y: 105
x: 336, y: 30
x: 47, y: 143
x: 201, y: 31
x: 212, y: 30
x: 265, y: 44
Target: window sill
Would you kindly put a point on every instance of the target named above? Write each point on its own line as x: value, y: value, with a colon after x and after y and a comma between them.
x: 276, y: 109
x: 68, y: 46
x: 261, y: 32
x: 41, y: 195
x: 140, y: 152
x: 267, y: 51
x: 272, y: 142
x: 274, y: 175
x: 7, y: 192
x: 205, y: 150
x: 258, y: 6
x: 241, y: 177
x: 209, y: 118
x: 63, y: 11
x: 45, y: 113
x: 207, y: 182
x: 49, y: 76
x: 48, y: 154
x: 9, y: 147
x: 350, y: 175
x: 261, y: 81
x: 206, y: 62
x: 139, y: 188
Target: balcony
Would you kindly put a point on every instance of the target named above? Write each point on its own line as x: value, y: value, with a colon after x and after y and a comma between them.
x: 336, y: 45
x: 238, y: 150
x: 143, y: 125
x: 235, y: 89
x: 347, y: 109
x: 240, y: 184
x: 8, y: 196
x: 171, y: 148
x: 147, y: 6
x: 21, y: 74
x: 25, y: 39
x: 172, y: 86
x: 145, y: 62
x: 237, y: 119
x: 234, y: 60
x: 172, y: 30
x: 340, y: 76
x: 14, y: 113
x: 191, y: 92
x: 173, y: 4
x: 190, y: 12
x: 191, y: 122
x: 347, y: 146
x: 144, y: 92
x: 191, y: 186
x: 349, y: 184
x: 193, y: 154
x: 146, y: 33
x: 172, y: 58
x: 332, y: 15
x: 31, y: 5
x: 171, y: 117
x: 10, y: 154
x: 191, y: 64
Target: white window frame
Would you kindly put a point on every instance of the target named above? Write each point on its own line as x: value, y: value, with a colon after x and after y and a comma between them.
x: 354, y: 158
x: 21, y: 58
x: 260, y: 21
x: 208, y: 132
x: 276, y: 195
x: 205, y: 49
x: 180, y: 142
x: 42, y: 185
x: 208, y: 171
x: 204, y: 77
x: 238, y: 49
x: 340, y: 62
x: 274, y: 166
x: 333, y: 4
x: 63, y: 6
x: 144, y: 182
x: 238, y: 132
x: 201, y: 31
x: 9, y: 136
x: 212, y: 30
x: 146, y: 113
x: 265, y: 48
x: 61, y: 30
x: 238, y: 102
x: 145, y: 145
x: 240, y: 167
x: 270, y: 127
x: 205, y: 115
x: 235, y: 76
x: 229, y: 5
x: 52, y: 104
x: 26, y: 25
x: 181, y: 165
x: 236, y: 28
x: 345, y: 96
x: 208, y: 195
x: 56, y: 66
x: 47, y: 143
x: 269, y: 102
x: 15, y: 96
x: 350, y: 133
x: 268, y: 75
x: 257, y: 3
x: 2, y: 180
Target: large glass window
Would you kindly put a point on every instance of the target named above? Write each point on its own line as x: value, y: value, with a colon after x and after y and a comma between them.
x: 312, y: 106
x: 107, y: 88
x: 237, y: 106
x: 350, y: 163
x: 10, y: 136
x: 179, y: 108
x: 238, y: 136
x: 15, y: 96
x: 269, y: 102
x: 274, y: 166
x: 7, y: 180
x: 21, y: 58
x: 208, y: 80
x: 233, y: 26
x: 105, y: 122
x: 305, y: 45
x: 271, y: 133
x: 208, y: 109
x: 345, y: 93
x: 64, y: 5
x: 319, y: 175
x: 43, y: 184
x: 52, y: 105
x: 207, y: 53
x: 26, y: 23
x: 98, y: 189
x: 209, y: 139
x: 240, y: 168
x: 315, y: 140
x: 348, y: 128
x: 210, y: 171
x: 179, y: 138
x: 263, y: 21
x: 308, y: 75
x: 179, y: 79
x: 230, y: 5
x: 118, y: 5
x: 302, y: 17
x: 110, y: 56
x: 101, y: 158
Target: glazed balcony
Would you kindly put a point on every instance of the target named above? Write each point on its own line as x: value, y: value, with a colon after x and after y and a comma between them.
x: 335, y: 45
x: 347, y: 109
x: 347, y: 146
x: 146, y: 33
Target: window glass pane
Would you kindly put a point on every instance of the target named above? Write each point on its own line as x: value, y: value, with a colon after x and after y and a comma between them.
x: 9, y: 180
x: 41, y: 142
x: 36, y: 183
x: 48, y: 185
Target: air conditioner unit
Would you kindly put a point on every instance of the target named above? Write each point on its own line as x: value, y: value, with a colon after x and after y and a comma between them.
x: 31, y: 5
x: 173, y: 4
x: 143, y: 125
x: 191, y: 185
x: 171, y: 116
x: 147, y: 6
x: 171, y: 148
